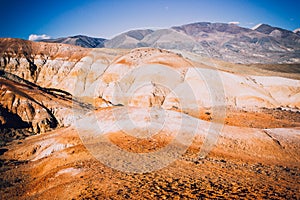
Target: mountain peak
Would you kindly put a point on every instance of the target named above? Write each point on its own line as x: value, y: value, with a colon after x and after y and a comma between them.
x: 265, y: 28
x: 274, y: 31
x: 297, y: 31
x: 207, y: 27
x: 257, y: 26
x: 79, y: 40
x: 195, y: 28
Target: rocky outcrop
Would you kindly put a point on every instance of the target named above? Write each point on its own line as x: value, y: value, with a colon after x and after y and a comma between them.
x: 32, y: 112
x: 52, y: 65
x: 27, y: 106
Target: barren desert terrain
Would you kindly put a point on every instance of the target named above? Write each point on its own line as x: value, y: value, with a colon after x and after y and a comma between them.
x: 145, y: 123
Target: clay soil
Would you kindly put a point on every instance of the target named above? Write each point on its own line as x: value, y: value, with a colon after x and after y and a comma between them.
x: 73, y: 173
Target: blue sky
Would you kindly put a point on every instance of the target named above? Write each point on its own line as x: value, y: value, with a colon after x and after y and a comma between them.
x: 108, y: 18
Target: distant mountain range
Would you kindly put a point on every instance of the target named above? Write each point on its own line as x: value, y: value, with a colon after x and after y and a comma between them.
x: 79, y: 40
x: 261, y: 44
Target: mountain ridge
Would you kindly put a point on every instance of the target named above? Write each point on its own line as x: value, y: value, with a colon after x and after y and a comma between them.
x: 79, y: 40
x: 230, y: 42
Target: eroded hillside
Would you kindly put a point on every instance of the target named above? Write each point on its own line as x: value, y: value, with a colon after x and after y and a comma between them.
x: 144, y: 123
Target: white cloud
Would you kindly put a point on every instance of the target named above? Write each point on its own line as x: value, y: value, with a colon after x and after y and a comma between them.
x: 35, y: 37
x: 235, y: 23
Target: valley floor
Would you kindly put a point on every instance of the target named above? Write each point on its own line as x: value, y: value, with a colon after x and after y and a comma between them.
x: 57, y: 165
